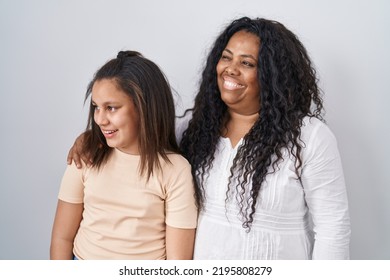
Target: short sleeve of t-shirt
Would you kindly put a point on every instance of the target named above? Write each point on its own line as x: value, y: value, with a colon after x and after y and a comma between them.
x: 72, y: 187
x: 181, y: 210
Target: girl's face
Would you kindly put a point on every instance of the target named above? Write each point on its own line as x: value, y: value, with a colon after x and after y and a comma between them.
x: 237, y: 73
x: 116, y: 116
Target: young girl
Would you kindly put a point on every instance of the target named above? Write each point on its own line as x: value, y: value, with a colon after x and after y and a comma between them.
x: 136, y: 199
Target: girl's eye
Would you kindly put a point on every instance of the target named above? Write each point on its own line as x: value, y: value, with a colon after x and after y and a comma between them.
x: 225, y: 57
x: 111, y: 109
x: 95, y: 108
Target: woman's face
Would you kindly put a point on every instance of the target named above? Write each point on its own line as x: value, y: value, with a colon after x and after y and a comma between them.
x: 237, y: 73
x: 116, y: 115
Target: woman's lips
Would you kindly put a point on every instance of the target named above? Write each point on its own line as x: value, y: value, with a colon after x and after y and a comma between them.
x: 231, y: 84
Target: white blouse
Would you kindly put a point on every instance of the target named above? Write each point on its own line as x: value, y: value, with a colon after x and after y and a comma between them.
x: 294, y: 219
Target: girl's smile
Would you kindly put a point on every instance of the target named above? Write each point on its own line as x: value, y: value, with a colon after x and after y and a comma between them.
x: 116, y: 115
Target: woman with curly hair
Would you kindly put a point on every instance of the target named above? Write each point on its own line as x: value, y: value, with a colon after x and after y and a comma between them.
x: 269, y: 178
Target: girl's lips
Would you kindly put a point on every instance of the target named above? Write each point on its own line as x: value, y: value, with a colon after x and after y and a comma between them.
x: 109, y: 133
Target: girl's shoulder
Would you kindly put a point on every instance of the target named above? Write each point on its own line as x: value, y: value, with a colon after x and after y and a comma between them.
x: 176, y: 169
x: 177, y: 159
x: 176, y: 165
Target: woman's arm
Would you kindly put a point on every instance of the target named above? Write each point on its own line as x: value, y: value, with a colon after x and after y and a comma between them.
x: 76, y: 151
x: 66, y: 223
x: 326, y: 196
x: 179, y: 243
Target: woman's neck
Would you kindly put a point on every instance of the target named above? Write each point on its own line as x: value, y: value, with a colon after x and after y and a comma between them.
x: 238, y: 125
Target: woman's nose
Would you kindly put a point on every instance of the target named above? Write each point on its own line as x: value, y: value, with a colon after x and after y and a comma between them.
x: 232, y: 69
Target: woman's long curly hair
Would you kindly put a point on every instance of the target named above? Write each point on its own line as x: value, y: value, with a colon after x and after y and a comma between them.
x: 288, y: 93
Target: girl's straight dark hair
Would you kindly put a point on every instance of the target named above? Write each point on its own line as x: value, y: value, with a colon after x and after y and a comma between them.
x: 146, y: 85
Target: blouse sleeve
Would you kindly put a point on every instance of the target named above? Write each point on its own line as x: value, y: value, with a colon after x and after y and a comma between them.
x: 325, y: 195
x: 72, y: 186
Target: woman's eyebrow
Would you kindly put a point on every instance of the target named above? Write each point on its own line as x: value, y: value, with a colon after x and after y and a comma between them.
x: 242, y: 55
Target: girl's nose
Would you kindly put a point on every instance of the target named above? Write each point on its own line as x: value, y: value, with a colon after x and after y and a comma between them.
x: 100, y: 118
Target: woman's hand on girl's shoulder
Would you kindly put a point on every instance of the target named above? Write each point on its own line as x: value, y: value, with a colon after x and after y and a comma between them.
x: 76, y: 153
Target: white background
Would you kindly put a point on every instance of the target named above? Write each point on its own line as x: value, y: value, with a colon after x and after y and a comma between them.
x: 49, y: 51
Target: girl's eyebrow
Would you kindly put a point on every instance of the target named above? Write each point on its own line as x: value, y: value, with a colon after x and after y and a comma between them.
x: 106, y: 103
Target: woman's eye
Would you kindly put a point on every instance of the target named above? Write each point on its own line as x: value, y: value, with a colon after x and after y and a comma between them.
x: 225, y: 57
x: 95, y: 108
x: 247, y: 63
x: 111, y: 109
